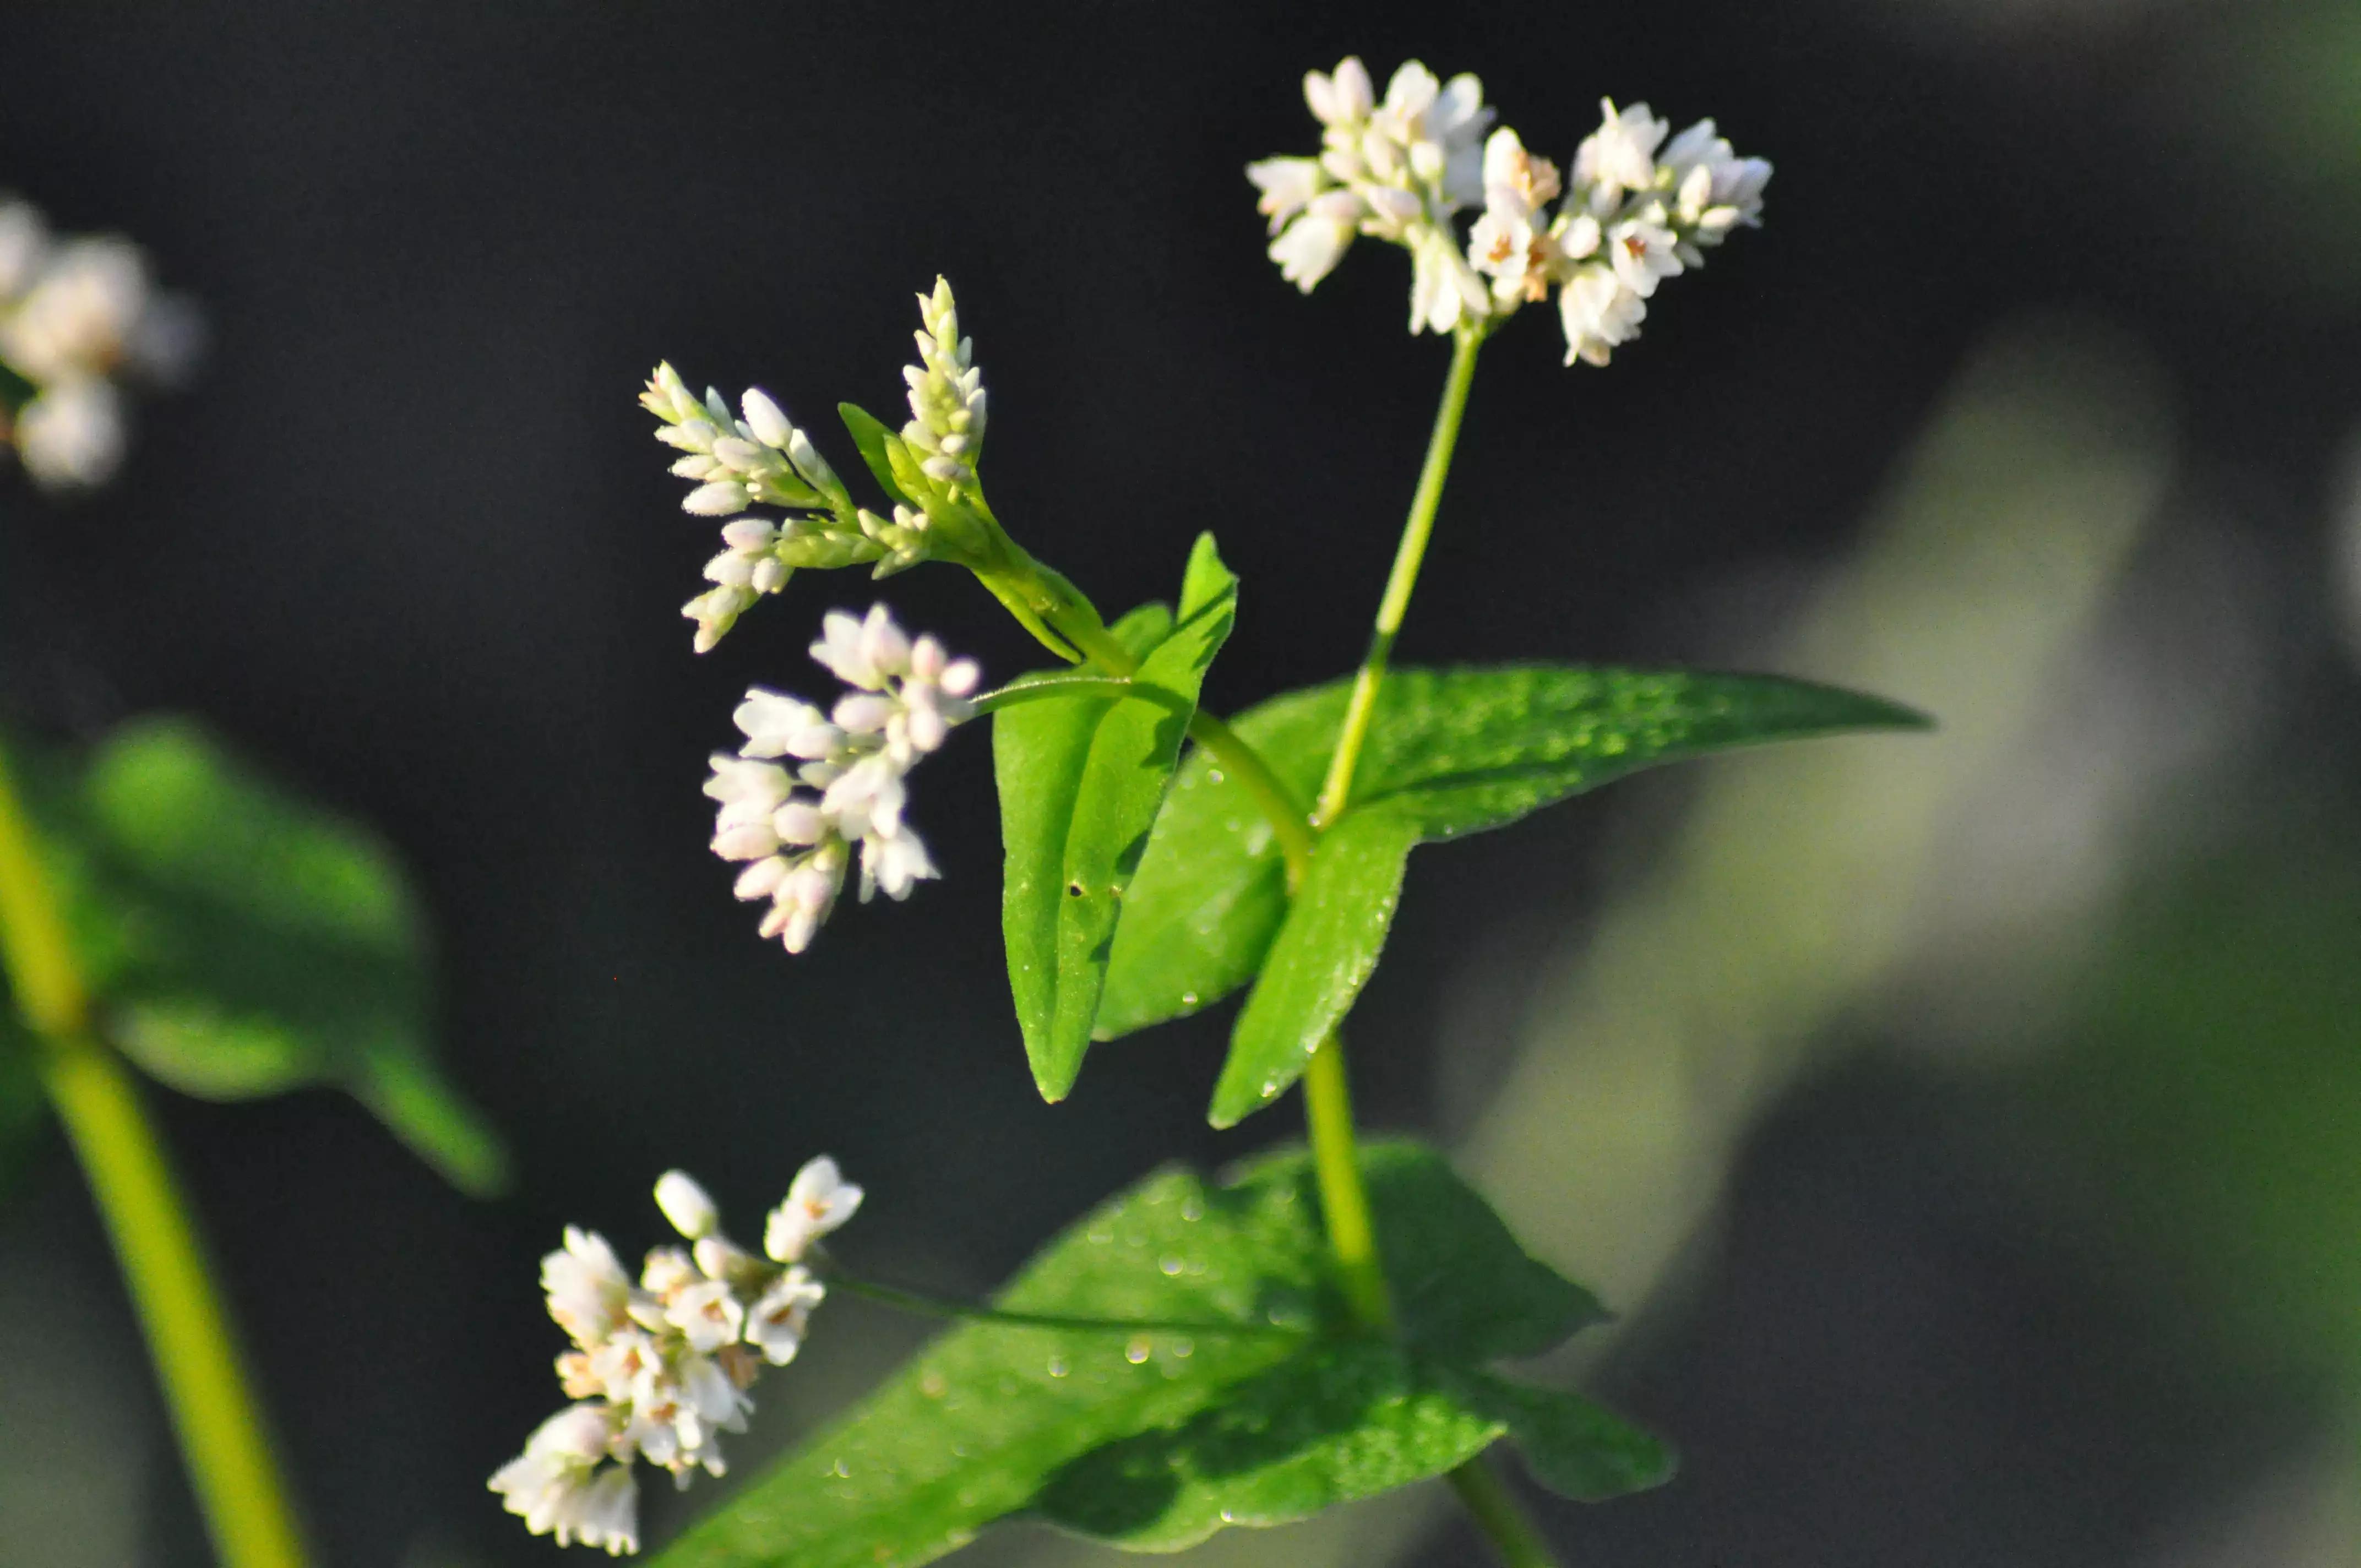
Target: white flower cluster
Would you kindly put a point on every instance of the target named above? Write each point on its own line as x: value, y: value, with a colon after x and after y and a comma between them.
x: 1640, y: 209
x: 908, y: 697
x: 660, y: 1368
x: 947, y: 394
x: 758, y: 458
x: 75, y: 314
x: 1396, y: 170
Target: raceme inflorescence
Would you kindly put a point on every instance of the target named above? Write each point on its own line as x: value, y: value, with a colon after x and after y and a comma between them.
x: 661, y: 1367
x: 1323, y: 1324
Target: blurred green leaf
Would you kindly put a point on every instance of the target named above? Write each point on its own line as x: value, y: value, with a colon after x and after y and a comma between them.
x: 241, y: 942
x: 1154, y: 1439
x: 1325, y: 951
x: 874, y: 440
x: 1458, y: 751
x: 1573, y: 1447
x: 1082, y: 778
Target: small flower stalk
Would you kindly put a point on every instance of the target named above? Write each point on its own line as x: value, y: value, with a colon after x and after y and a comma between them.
x: 1637, y: 209
x: 739, y: 463
x: 661, y: 1367
x: 807, y: 792
x: 79, y: 317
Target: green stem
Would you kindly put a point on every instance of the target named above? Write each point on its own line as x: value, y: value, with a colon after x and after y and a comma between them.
x: 927, y: 1306
x: 1497, y: 1514
x: 1408, y: 556
x: 187, y: 1328
x: 1020, y: 580
x: 1344, y: 1197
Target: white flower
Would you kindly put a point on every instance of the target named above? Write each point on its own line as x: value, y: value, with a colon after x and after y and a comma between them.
x: 587, y: 1288
x: 1288, y: 185
x: 777, y: 724
x: 865, y: 652
x: 1643, y: 252
x: 818, y: 1200
x: 1343, y: 100
x: 1444, y: 287
x: 1598, y: 313
x: 688, y: 1205
x: 1311, y: 245
x: 708, y: 1314
x: 24, y: 245
x: 558, y: 1485
x: 776, y: 1324
x: 1621, y: 155
x: 71, y: 435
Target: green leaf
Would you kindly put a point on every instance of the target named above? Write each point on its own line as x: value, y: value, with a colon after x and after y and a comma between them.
x: 874, y: 442
x: 1345, y: 1421
x: 1081, y: 779
x: 1459, y: 750
x: 1154, y: 1438
x: 243, y: 943
x: 1325, y: 951
x: 1573, y: 1447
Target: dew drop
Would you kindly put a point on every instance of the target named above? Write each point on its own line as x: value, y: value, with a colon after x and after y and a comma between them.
x: 1170, y: 1265
x: 1187, y: 999
x: 1137, y: 1351
x: 1213, y: 776
x: 841, y: 1470
x: 1193, y: 1208
x: 932, y: 1384
x: 1184, y: 1348
x: 1058, y: 1368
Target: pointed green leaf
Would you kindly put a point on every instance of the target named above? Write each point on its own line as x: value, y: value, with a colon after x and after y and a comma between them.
x: 874, y: 440
x: 1082, y: 778
x: 1459, y: 750
x: 1325, y: 951
x: 244, y: 943
x: 1154, y: 1438
x: 1573, y: 1447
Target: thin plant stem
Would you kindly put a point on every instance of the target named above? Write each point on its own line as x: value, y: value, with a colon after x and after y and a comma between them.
x: 214, y: 1410
x: 1498, y: 1515
x: 1343, y: 1198
x: 1408, y: 556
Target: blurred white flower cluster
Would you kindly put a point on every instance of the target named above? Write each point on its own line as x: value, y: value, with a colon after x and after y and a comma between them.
x: 660, y: 1368
x: 757, y: 457
x: 76, y: 312
x: 907, y: 695
x: 1639, y: 210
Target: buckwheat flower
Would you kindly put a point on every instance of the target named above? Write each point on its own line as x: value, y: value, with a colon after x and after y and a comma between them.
x: 662, y: 1370
x: 947, y: 396
x: 24, y: 245
x: 71, y: 435
x: 818, y: 1200
x: 1619, y: 156
x: 559, y: 1487
x: 587, y: 1288
x: 776, y: 1324
x: 1598, y: 313
x: 1643, y: 251
x: 1287, y: 186
x: 1343, y: 100
x: 688, y: 1205
x: 1311, y: 246
x: 1717, y: 190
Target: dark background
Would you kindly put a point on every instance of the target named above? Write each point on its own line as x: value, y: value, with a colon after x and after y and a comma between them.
x: 407, y: 540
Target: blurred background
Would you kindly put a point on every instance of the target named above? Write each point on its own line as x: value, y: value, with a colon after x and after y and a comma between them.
x: 1968, y: 1128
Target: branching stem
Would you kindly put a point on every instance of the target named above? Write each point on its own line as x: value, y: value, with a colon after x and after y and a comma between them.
x: 187, y: 1327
